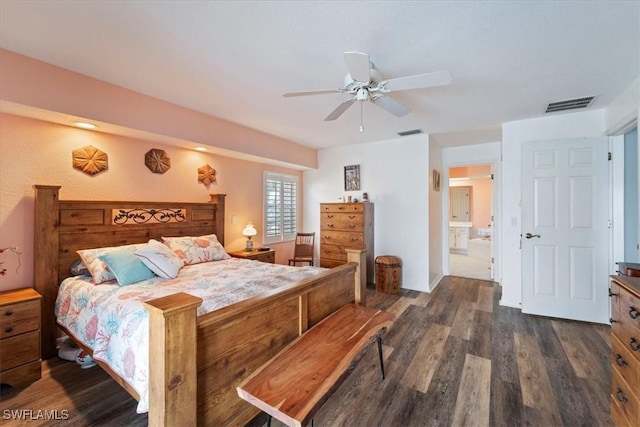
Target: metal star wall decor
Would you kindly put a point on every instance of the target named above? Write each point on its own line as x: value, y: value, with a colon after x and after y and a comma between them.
x: 207, y: 175
x: 157, y: 161
x: 90, y: 160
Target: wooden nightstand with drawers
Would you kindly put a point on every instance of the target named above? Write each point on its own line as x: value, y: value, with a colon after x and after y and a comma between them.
x: 19, y: 336
x: 264, y: 256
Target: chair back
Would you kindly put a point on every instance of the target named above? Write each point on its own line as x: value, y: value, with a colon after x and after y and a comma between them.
x: 304, y: 245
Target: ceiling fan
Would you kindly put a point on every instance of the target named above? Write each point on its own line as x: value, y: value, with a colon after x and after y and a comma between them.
x: 364, y: 83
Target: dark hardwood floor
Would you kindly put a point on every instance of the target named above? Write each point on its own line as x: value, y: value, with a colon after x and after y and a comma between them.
x: 453, y: 357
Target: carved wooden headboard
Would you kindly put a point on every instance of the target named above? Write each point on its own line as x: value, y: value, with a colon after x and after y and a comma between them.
x: 63, y: 227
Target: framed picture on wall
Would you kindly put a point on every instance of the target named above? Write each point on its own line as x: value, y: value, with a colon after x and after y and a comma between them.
x: 352, y: 178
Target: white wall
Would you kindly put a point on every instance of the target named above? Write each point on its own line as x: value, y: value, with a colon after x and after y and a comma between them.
x: 395, y: 173
x: 435, y: 217
x: 624, y: 109
x: 560, y: 126
x: 488, y: 153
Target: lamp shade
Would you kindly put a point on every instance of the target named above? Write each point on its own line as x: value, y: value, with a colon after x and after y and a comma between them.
x: 249, y: 231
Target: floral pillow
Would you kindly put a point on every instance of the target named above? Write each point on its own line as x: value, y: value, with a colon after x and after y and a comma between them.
x: 160, y: 259
x: 97, y: 268
x: 194, y: 250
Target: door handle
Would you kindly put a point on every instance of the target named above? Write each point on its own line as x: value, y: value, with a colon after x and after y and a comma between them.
x: 529, y: 235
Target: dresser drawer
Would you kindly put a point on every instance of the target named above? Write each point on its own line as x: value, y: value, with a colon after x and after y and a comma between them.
x: 625, y: 364
x: 629, y: 308
x: 20, y: 349
x: 344, y: 238
x: 18, y: 318
x: 628, y: 335
x: 341, y: 207
x: 614, y: 296
x: 342, y: 221
x: 625, y: 401
x: 333, y: 252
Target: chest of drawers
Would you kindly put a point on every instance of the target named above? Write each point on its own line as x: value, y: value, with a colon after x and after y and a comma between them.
x: 19, y: 336
x: 625, y: 350
x: 346, y: 226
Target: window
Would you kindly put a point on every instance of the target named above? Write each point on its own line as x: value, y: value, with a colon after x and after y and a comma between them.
x: 280, y: 207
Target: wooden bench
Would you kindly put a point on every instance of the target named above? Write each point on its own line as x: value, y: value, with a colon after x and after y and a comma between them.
x: 295, y: 383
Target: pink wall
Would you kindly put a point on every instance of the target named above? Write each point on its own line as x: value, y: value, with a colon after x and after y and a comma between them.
x: 26, y: 81
x: 37, y: 152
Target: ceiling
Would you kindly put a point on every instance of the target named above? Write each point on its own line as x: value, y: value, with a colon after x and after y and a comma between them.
x: 235, y: 59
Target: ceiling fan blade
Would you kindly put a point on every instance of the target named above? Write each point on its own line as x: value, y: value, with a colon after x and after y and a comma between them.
x: 359, y: 66
x: 340, y: 109
x: 313, y: 92
x: 391, y: 105
x: 437, y: 78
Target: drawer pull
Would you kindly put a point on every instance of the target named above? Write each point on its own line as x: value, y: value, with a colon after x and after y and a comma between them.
x: 633, y: 313
x: 330, y: 216
x: 621, y: 397
x: 354, y: 239
x: 352, y: 216
x: 352, y: 226
x: 327, y: 237
x: 8, y: 329
x: 341, y: 208
x: 620, y: 361
x: 611, y: 294
x: 8, y: 312
x: 612, y: 320
x: 330, y: 225
x: 635, y: 345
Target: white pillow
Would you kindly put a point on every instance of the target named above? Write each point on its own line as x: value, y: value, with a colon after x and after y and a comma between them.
x: 160, y: 259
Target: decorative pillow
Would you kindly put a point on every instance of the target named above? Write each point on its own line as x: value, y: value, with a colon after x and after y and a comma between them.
x: 194, y: 250
x: 126, y: 266
x: 79, y: 269
x: 97, y: 268
x: 160, y: 259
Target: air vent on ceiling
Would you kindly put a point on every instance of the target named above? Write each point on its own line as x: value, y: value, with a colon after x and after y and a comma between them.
x: 569, y: 104
x: 410, y: 132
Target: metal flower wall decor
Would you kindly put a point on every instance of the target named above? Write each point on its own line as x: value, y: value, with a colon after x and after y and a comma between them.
x: 207, y: 175
x: 3, y: 271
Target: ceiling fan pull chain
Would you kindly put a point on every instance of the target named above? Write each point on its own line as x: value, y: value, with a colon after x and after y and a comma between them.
x: 361, y: 125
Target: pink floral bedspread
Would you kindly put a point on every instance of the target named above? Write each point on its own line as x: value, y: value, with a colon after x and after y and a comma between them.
x: 112, y: 321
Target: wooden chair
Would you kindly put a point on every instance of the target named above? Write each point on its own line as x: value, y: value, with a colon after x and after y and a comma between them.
x: 304, y: 248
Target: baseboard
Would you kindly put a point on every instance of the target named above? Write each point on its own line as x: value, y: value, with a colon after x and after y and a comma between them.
x: 510, y: 304
x: 435, y: 282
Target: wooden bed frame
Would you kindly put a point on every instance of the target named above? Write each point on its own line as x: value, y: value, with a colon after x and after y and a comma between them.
x: 195, y: 363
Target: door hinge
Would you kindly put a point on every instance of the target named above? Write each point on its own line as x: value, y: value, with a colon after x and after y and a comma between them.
x: 609, y: 155
x: 491, y: 176
x: 491, y: 260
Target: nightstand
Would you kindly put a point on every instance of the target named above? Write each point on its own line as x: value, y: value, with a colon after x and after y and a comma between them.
x: 264, y: 256
x: 20, y: 336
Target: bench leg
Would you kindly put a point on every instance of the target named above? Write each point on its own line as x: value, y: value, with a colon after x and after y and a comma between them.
x: 268, y: 420
x: 380, y: 355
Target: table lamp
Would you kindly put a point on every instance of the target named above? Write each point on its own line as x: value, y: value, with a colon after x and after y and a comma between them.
x: 249, y: 231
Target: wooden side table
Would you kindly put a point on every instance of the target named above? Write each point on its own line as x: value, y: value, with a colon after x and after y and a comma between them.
x: 264, y: 256
x: 20, y: 336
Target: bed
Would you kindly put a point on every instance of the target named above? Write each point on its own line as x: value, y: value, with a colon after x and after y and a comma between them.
x: 195, y: 361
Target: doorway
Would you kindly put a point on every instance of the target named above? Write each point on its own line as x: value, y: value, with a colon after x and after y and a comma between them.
x: 471, y: 221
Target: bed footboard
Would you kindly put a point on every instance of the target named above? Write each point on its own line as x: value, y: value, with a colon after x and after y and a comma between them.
x: 172, y: 360
x: 230, y: 343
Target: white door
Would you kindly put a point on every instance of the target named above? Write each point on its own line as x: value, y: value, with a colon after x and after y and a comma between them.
x: 564, y: 229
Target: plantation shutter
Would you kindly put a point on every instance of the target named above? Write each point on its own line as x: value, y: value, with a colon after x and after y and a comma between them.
x: 281, y: 207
